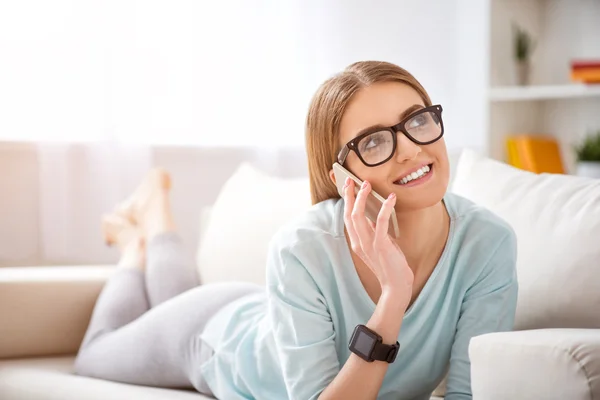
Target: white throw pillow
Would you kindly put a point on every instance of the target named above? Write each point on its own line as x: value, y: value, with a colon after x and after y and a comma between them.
x: 250, y: 208
x: 557, y: 222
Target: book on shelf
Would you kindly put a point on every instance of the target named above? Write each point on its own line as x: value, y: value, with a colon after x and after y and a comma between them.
x: 534, y: 153
x: 582, y: 64
x: 586, y: 71
x: 586, y: 76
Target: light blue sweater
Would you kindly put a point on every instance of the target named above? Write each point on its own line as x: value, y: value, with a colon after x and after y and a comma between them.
x: 290, y: 342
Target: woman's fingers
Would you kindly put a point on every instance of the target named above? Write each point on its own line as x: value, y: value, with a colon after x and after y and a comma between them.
x: 361, y: 225
x: 383, y: 222
x: 371, y: 224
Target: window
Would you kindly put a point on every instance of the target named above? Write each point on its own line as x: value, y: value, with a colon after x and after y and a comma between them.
x: 159, y: 72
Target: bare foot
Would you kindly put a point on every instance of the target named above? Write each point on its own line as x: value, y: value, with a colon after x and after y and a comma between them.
x: 156, y: 183
x: 149, y: 206
x: 118, y: 230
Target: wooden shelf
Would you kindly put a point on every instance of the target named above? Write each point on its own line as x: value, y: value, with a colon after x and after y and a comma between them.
x: 546, y: 92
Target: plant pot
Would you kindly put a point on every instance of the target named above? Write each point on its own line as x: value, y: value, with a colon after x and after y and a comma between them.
x: 589, y: 169
x: 523, y: 69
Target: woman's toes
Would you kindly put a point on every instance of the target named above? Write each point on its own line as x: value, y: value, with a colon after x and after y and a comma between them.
x: 156, y: 183
x: 117, y: 230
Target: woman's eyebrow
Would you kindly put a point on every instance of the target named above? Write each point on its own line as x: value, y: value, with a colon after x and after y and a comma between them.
x: 410, y: 110
x: 404, y: 114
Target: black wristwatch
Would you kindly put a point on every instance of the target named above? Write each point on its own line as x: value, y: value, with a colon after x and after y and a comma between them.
x: 368, y: 345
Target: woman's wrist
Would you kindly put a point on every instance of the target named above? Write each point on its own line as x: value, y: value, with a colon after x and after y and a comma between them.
x: 395, y: 298
x: 387, y: 318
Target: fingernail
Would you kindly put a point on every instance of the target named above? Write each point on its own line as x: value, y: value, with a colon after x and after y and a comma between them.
x: 365, y: 184
x: 347, y: 182
x: 392, y: 196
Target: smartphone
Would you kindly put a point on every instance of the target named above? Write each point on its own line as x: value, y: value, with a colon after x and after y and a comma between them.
x: 374, y: 201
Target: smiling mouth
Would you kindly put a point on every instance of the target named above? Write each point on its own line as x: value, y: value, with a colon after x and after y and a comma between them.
x: 416, y: 175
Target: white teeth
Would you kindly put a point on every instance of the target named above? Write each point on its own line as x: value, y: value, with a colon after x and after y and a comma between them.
x: 415, y: 175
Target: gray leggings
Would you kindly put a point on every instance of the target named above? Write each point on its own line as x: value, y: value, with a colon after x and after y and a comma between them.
x: 145, y: 328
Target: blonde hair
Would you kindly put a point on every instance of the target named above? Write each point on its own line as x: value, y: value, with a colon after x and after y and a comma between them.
x: 325, y: 114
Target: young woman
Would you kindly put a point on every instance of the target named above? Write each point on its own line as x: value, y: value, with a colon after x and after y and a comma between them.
x: 348, y: 312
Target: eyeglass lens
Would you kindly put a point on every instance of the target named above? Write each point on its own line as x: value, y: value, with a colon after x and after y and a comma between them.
x: 378, y: 146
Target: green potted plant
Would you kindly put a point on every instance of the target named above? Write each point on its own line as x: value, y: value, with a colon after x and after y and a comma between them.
x: 523, y: 45
x: 588, y: 156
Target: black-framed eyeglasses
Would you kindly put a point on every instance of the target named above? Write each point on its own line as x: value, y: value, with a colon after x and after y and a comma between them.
x: 378, y: 145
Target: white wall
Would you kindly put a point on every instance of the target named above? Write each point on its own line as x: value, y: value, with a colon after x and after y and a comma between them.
x: 180, y: 72
x: 421, y: 36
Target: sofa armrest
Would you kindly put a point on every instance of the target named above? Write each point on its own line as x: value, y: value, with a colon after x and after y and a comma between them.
x: 46, y: 310
x: 536, y: 364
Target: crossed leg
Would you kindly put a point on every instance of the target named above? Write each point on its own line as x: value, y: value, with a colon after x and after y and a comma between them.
x: 146, y: 325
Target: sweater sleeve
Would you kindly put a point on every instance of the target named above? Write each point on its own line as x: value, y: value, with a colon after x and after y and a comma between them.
x: 302, y: 325
x: 489, y: 305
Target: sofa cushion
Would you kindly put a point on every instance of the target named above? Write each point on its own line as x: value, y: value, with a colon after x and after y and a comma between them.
x: 52, y: 379
x: 549, y: 364
x: 557, y: 222
x: 46, y: 310
x: 248, y: 211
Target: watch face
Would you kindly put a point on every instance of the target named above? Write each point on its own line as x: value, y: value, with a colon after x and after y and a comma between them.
x: 364, y: 343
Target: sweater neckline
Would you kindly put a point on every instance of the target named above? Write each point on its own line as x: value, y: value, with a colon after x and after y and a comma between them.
x: 355, y: 279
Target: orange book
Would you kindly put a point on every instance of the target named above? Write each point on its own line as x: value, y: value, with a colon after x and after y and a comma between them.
x: 512, y: 152
x: 586, y: 75
x: 536, y: 153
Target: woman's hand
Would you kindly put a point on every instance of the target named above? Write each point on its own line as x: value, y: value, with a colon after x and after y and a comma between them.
x: 374, y: 246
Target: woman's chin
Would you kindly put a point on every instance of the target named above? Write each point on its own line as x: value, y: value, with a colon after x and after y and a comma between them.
x: 419, y: 199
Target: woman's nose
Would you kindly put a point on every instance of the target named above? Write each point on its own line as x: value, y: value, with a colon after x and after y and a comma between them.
x: 406, y: 149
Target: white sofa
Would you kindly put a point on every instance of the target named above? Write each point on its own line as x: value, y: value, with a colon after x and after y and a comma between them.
x: 554, y: 352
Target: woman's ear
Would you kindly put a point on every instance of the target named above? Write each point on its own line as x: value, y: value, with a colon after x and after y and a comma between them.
x: 332, y: 176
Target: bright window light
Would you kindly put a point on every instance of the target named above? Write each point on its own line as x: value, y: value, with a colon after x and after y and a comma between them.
x: 185, y: 72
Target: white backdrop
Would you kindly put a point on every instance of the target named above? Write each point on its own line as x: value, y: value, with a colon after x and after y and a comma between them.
x: 77, y: 184
x: 95, y: 84
x: 188, y: 72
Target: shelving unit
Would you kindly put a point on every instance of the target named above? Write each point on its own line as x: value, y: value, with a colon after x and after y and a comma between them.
x: 543, y: 92
x: 491, y: 106
x: 552, y: 104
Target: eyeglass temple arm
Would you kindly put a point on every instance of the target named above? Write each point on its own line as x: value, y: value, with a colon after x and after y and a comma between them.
x: 343, y: 154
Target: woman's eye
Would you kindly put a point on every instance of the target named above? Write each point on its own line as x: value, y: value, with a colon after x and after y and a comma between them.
x: 371, y: 143
x: 418, y: 121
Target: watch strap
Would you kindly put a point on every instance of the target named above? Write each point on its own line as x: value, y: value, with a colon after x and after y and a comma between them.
x: 385, y: 352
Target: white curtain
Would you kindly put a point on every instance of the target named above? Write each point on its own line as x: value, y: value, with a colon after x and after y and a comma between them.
x: 183, y: 72
x: 97, y: 83
x: 78, y: 183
